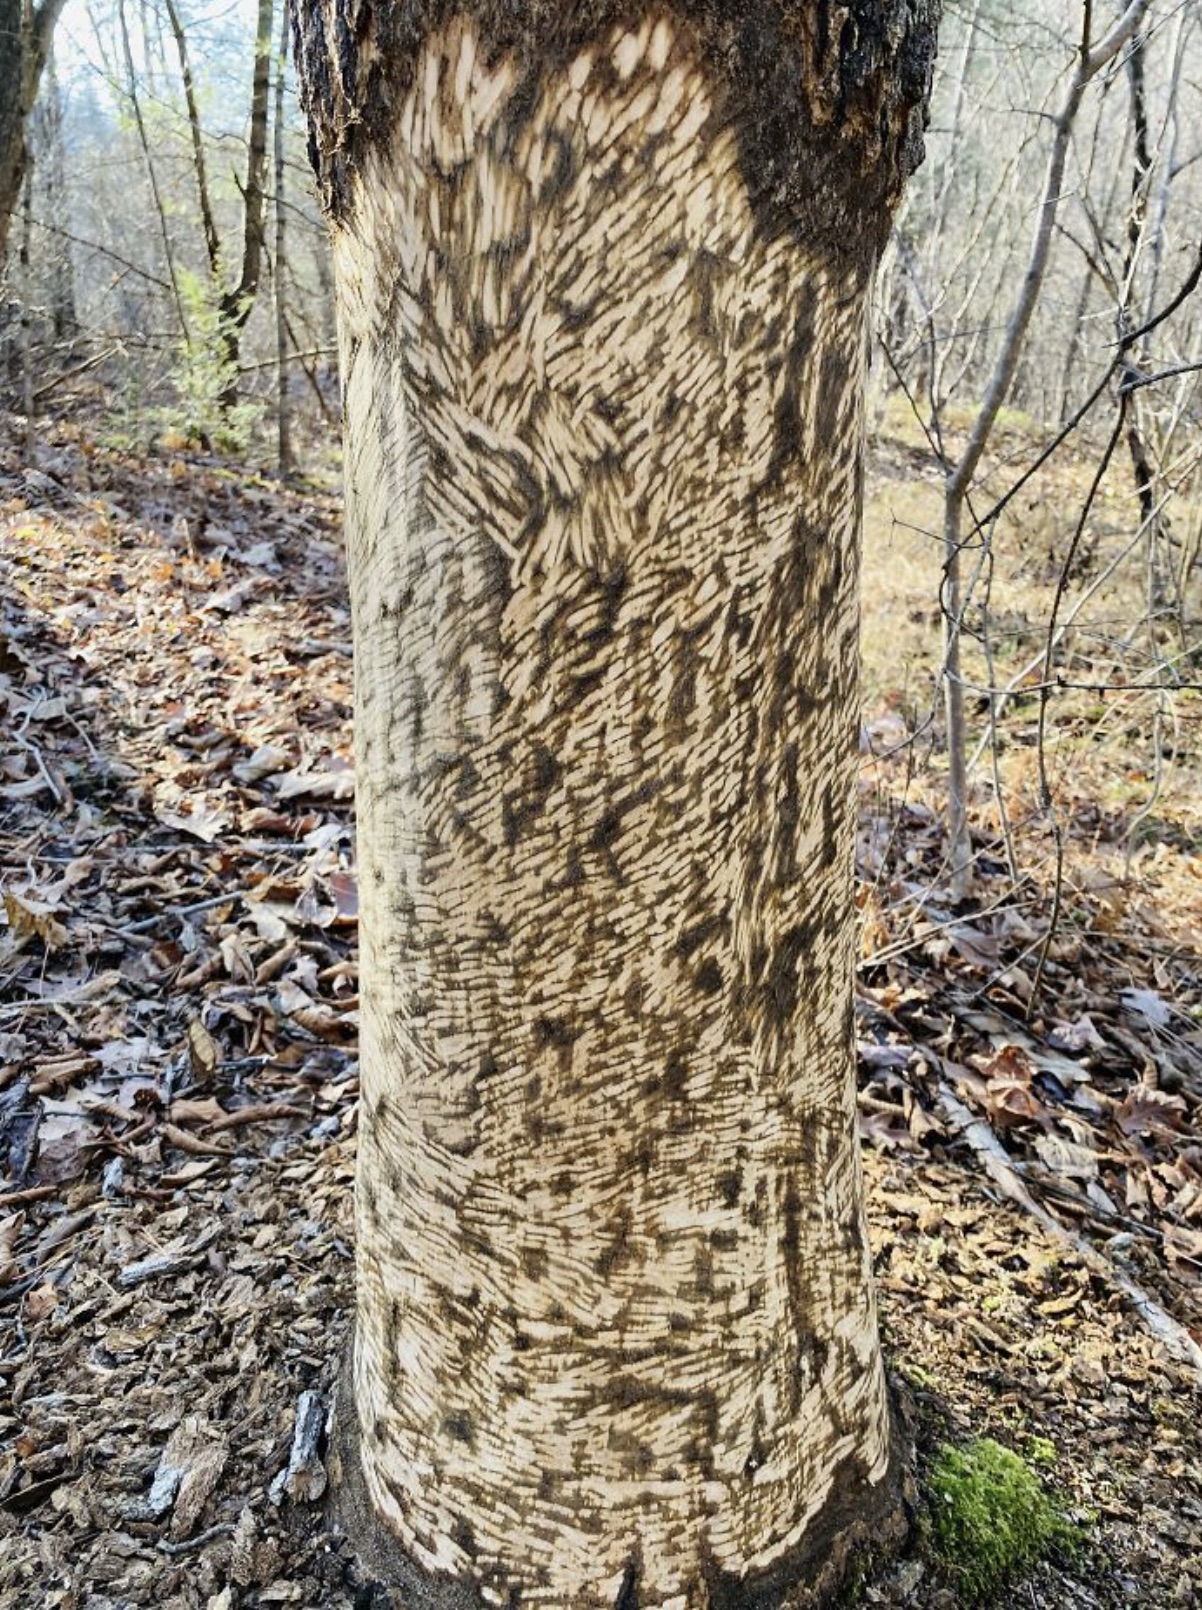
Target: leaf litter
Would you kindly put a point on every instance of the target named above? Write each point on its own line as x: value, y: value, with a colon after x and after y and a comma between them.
x: 178, y: 1018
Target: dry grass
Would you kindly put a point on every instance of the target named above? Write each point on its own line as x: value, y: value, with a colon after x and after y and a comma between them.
x: 1123, y: 753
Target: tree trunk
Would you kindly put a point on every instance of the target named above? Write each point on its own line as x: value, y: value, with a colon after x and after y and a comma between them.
x: 279, y: 267
x: 25, y: 34
x: 238, y: 300
x: 602, y: 288
x: 63, y: 314
x: 209, y: 223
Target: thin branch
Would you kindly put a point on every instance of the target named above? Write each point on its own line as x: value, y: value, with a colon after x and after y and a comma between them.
x: 212, y: 245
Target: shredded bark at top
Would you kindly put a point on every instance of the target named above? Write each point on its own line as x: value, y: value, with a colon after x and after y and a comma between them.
x: 829, y: 101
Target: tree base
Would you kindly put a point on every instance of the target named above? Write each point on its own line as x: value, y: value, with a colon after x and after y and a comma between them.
x: 850, y: 1540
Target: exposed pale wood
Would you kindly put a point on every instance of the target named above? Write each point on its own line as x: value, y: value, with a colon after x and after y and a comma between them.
x: 604, y: 783
x: 603, y: 376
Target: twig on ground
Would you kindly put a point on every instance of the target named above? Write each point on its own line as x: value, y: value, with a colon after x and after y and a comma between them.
x: 1005, y: 1176
x: 191, y: 1544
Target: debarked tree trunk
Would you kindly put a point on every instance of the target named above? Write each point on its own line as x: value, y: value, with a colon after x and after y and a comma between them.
x: 602, y: 276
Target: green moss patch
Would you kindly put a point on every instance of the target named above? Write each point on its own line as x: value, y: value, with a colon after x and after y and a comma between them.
x: 991, y: 1517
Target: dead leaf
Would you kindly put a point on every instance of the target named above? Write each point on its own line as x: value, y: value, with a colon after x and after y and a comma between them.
x: 10, y: 1234
x: 1065, y: 1158
x: 1183, y: 1246
x: 236, y: 959
x: 190, y: 1172
x: 42, y: 1300
x: 1148, y: 1004
x: 344, y: 886
x: 335, y: 780
x: 192, y: 1143
x: 203, y: 1054
x: 885, y: 1131
x: 27, y: 916
x: 1008, y: 1097
x: 232, y: 599
x: 184, y: 1111
x: 1077, y: 1036
x: 1009, y: 1102
x: 883, y: 1056
x: 1150, y: 1111
x: 268, y: 920
x: 315, y: 1016
x: 201, y: 822
x: 266, y: 760
x: 977, y: 948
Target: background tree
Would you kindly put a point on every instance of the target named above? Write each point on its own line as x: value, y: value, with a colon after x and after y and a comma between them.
x: 26, y: 31
x: 236, y: 299
x: 994, y: 325
x: 603, y: 293
x: 151, y: 170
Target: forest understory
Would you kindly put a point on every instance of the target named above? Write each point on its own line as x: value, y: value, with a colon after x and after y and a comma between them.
x: 178, y: 1076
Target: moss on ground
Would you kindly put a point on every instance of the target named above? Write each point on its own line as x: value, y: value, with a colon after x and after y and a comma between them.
x: 990, y: 1518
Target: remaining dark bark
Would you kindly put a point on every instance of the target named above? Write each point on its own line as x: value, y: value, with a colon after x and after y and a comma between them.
x: 25, y: 35
x: 829, y: 100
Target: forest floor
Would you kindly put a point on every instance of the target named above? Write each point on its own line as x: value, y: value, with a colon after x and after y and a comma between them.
x: 178, y: 1077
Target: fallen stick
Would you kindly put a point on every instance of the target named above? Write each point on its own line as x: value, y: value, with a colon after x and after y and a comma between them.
x: 192, y: 1143
x: 31, y: 1193
x: 1001, y: 1170
x: 260, y: 1113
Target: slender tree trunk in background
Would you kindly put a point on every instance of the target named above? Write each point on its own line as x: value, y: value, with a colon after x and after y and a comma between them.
x: 151, y: 171
x: 238, y: 300
x: 1091, y: 59
x: 1143, y: 471
x: 25, y: 34
x: 209, y: 223
x: 26, y: 266
x: 602, y: 280
x: 283, y: 409
x: 63, y: 316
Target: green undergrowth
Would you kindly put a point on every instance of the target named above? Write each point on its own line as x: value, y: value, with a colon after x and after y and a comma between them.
x: 990, y: 1518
